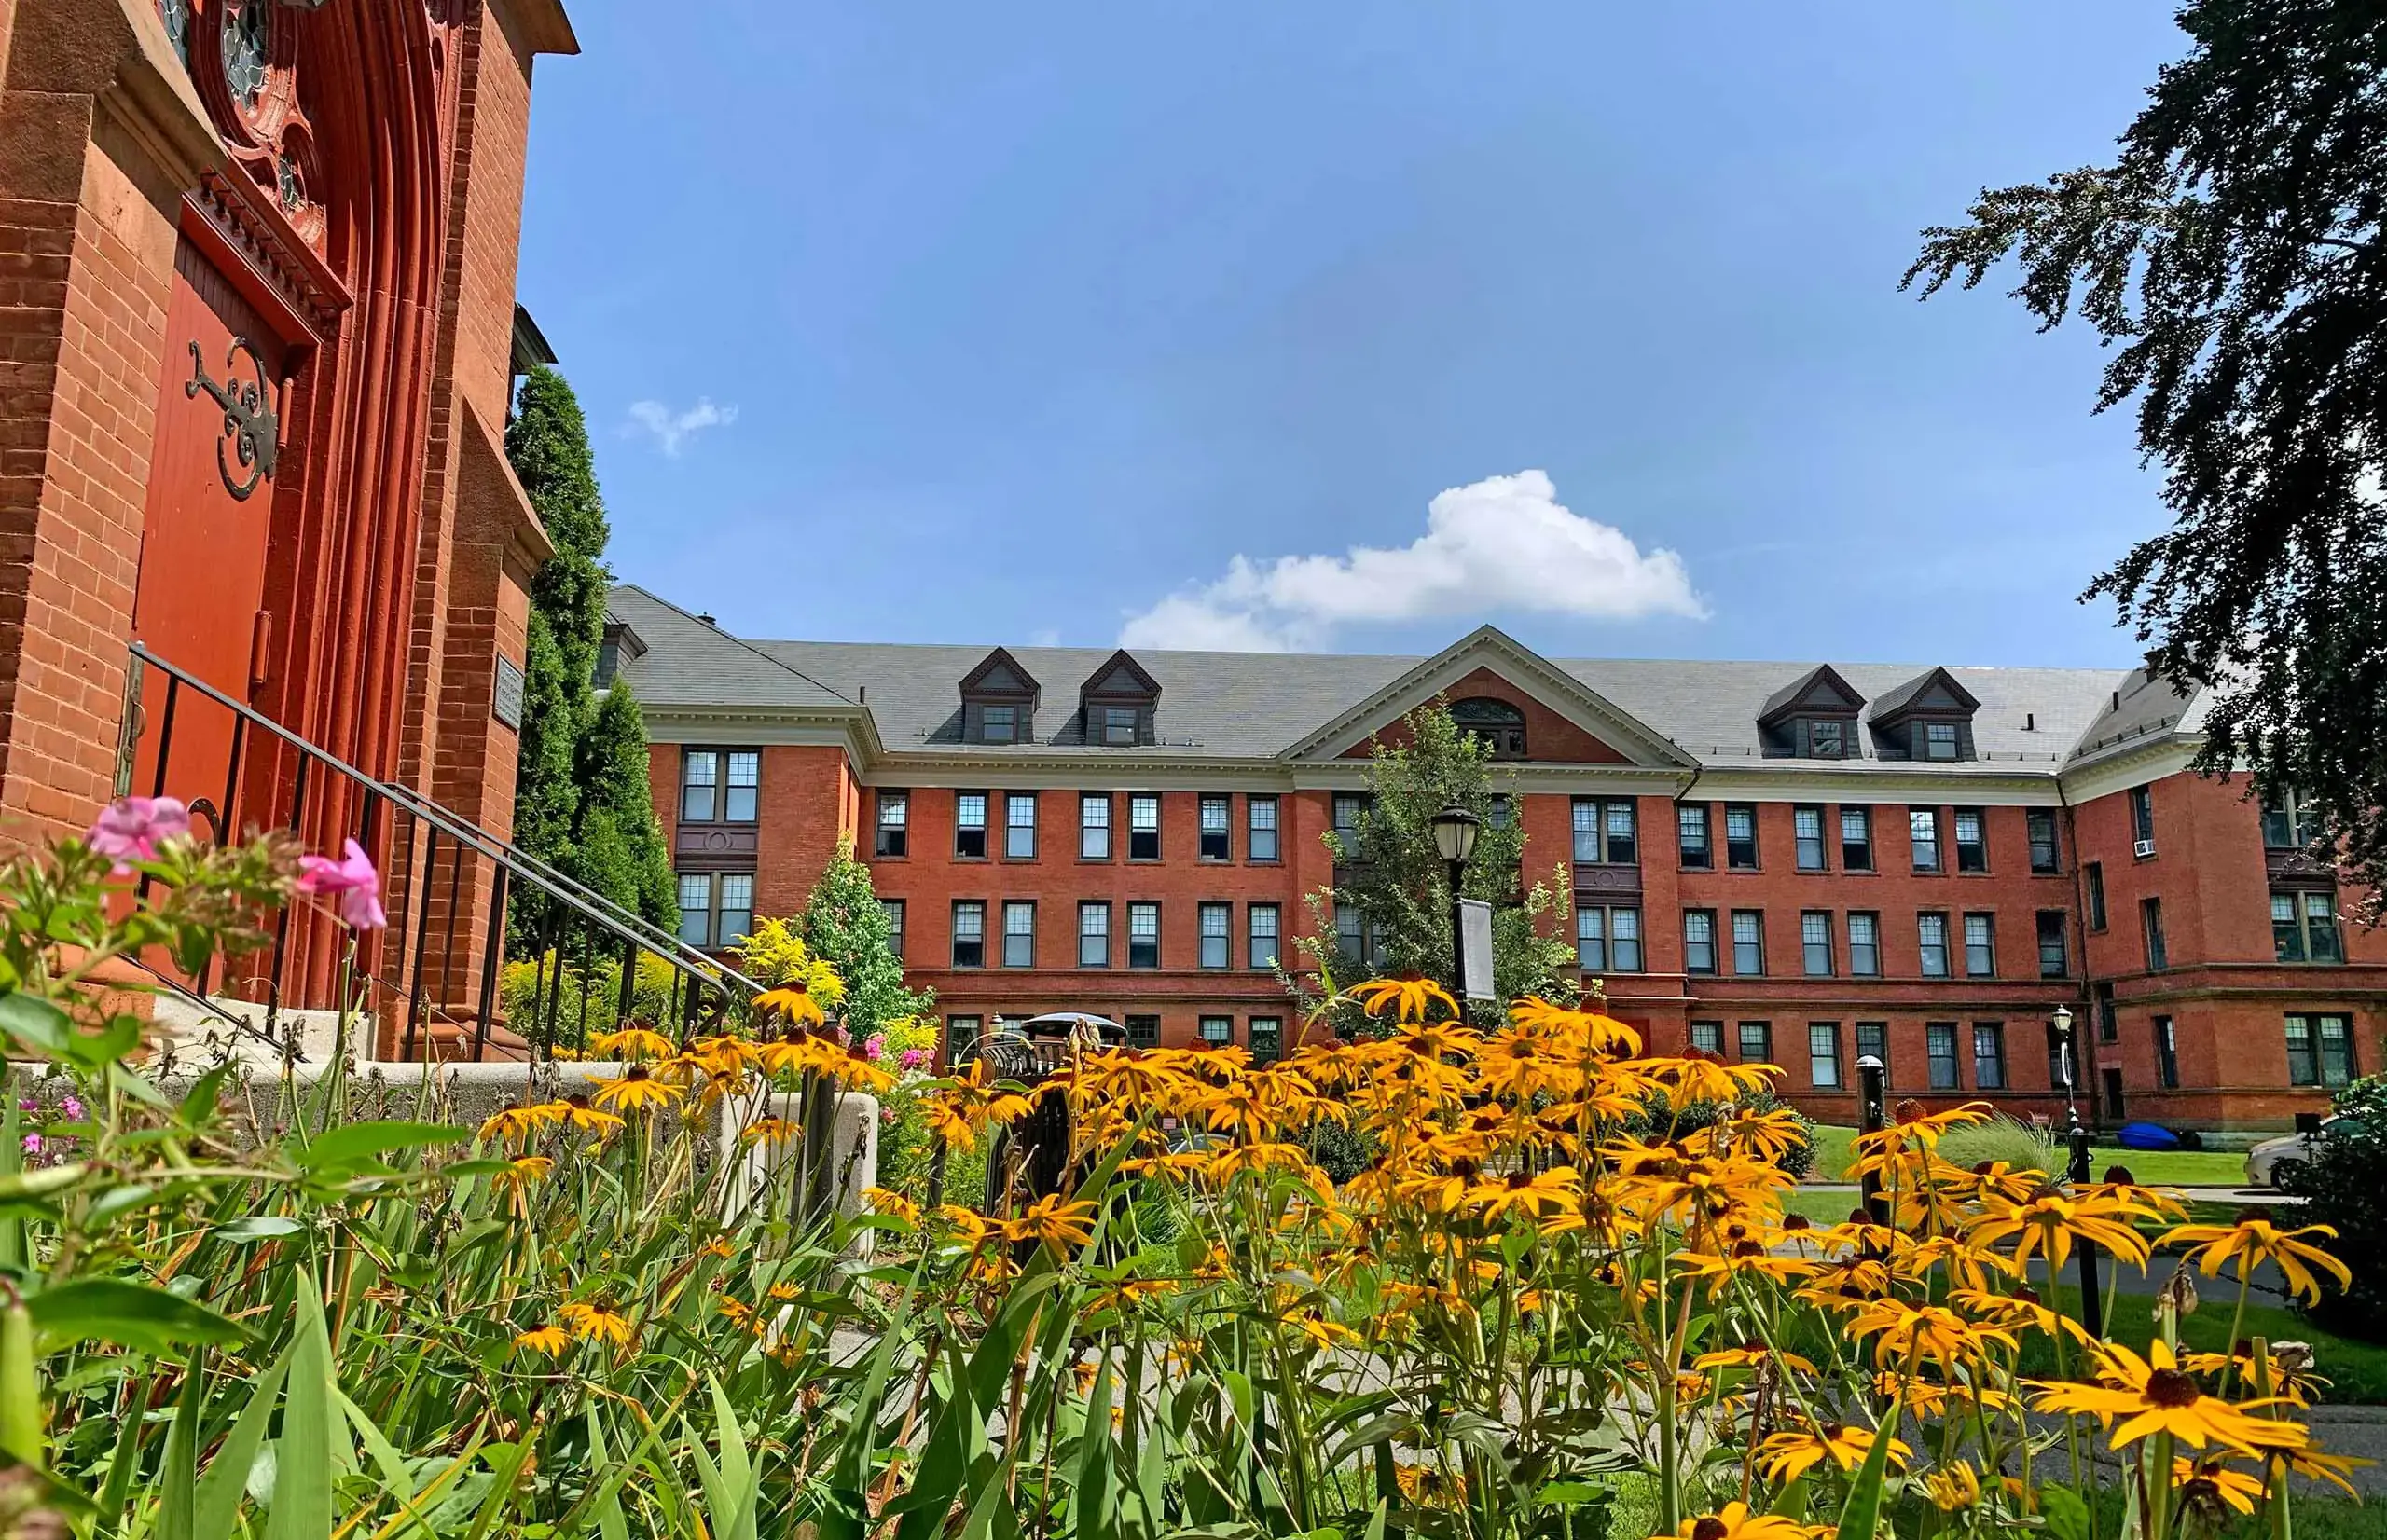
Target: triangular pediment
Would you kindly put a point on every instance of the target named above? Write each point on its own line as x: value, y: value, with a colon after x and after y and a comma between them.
x: 1120, y: 678
x: 1935, y: 691
x: 1597, y: 730
x: 1819, y: 690
x: 998, y: 675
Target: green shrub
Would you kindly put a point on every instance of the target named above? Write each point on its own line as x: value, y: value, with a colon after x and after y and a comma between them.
x: 2345, y: 1187
x: 2002, y: 1138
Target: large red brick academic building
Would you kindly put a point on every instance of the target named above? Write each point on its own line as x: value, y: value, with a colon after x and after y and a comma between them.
x: 1790, y: 862
x: 258, y: 335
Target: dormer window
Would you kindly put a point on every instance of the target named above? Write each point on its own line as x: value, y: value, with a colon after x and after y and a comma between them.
x: 1495, y: 724
x: 1119, y: 703
x: 998, y: 701
x: 1929, y: 717
x: 1813, y: 716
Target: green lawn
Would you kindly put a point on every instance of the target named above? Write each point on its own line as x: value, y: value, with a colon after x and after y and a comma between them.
x: 2356, y: 1370
x: 2153, y: 1168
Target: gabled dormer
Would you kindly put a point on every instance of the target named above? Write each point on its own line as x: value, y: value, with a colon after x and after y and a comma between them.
x: 1813, y: 716
x: 1120, y: 702
x: 1929, y: 717
x: 998, y: 701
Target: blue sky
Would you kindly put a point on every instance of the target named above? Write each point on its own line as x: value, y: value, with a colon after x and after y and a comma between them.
x: 959, y: 322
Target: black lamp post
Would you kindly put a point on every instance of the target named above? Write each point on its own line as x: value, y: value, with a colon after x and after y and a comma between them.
x: 2065, y: 1049
x: 1455, y: 831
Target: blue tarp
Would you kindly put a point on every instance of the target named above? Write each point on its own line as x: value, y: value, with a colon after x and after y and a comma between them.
x: 2146, y: 1137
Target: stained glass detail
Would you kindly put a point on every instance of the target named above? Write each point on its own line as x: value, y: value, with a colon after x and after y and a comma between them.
x: 176, y: 15
x: 248, y: 42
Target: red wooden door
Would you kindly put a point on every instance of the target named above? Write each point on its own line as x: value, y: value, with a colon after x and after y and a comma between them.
x: 198, y: 600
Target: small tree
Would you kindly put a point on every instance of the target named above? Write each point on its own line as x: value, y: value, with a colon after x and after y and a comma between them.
x: 1390, y: 872
x: 846, y: 925
x: 617, y: 845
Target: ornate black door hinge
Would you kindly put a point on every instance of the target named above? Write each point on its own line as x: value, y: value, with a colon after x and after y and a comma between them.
x: 250, y: 425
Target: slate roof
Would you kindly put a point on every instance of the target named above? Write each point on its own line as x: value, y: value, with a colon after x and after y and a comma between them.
x: 1255, y: 704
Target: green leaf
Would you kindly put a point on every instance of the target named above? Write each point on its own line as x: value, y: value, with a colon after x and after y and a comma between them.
x: 2067, y: 1515
x: 178, y: 1478
x: 611, y: 1523
x: 352, y: 1144
x: 302, y: 1486
x: 1862, y: 1514
x: 227, y: 1480
x: 133, y: 1315
x: 37, y: 1023
x: 258, y: 1227
x: 1094, y: 1502
x: 33, y: 1184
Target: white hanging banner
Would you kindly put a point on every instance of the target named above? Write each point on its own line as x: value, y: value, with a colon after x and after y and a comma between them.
x: 1475, y: 931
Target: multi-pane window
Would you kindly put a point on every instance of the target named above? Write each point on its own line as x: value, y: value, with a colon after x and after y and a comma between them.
x: 1262, y: 939
x: 1807, y: 824
x: 2094, y: 872
x: 1503, y: 811
x: 1019, y: 826
x: 1931, y: 933
x: 1094, y: 826
x: 2304, y: 927
x: 968, y: 933
x: 1218, y: 921
x: 2046, y: 855
x: 1699, y: 940
x: 1856, y: 839
x: 1267, y: 1039
x: 716, y: 909
x: 2055, y: 955
x: 1143, y: 1031
x: 1019, y: 934
x: 1923, y: 829
x: 1873, y: 1042
x: 1980, y: 946
x: 1939, y: 1042
x: 894, y: 910
x: 2288, y: 824
x: 1350, y: 808
x: 1691, y: 833
x: 998, y: 725
x: 1707, y: 1037
x: 2142, y: 815
x: 1260, y: 828
x: 1826, y: 739
x: 1989, y: 1056
x: 1217, y: 1031
x: 1605, y: 832
x: 2150, y: 921
x: 1749, y: 941
x: 1607, y: 938
x: 1865, y: 946
x: 2109, y: 1026
x: 1972, y: 849
x: 1217, y: 837
x: 1119, y: 726
x: 961, y: 1034
x: 2319, y: 1051
x: 1354, y: 936
x: 1739, y: 836
x: 1094, y: 934
x: 894, y: 824
x: 1143, y: 935
x: 718, y: 785
x: 1815, y: 943
x: 1823, y: 1054
x: 970, y: 824
x: 1938, y: 740
x: 1757, y: 1042
x: 2167, y: 1054
x: 1143, y: 828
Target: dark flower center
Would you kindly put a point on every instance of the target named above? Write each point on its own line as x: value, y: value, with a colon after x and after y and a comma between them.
x: 1796, y: 1221
x: 1709, y: 1528
x: 2169, y: 1387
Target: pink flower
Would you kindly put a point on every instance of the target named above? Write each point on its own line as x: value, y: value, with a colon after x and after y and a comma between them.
x: 914, y: 1057
x: 128, y: 829
x: 72, y: 1108
x: 33, y: 1144
x: 875, y: 1045
x: 352, y: 880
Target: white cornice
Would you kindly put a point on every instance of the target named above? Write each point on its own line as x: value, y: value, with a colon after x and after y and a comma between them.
x: 1968, y: 787
x: 2152, y: 759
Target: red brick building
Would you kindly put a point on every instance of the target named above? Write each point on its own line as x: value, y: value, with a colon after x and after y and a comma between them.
x: 1791, y: 862
x: 258, y: 334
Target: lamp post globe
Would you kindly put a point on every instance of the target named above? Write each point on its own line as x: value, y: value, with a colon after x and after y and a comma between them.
x: 1455, y: 831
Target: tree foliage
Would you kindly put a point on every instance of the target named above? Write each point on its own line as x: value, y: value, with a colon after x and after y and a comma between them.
x: 2344, y: 1187
x: 846, y: 925
x: 582, y: 802
x: 1391, y: 872
x: 2232, y: 256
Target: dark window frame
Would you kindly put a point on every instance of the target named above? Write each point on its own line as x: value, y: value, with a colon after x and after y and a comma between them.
x: 1252, y: 938
x: 1856, y: 855
x: 1028, y: 958
x: 2150, y: 923
x: 1872, y: 947
x: 1934, y: 1034
x: 1916, y: 819
x: 1808, y: 943
x: 1972, y: 856
x: 1924, y: 921
x: 1203, y: 912
x: 1150, y: 906
x: 2167, y: 1054
x: 1702, y: 856
x: 1612, y: 952
x: 960, y: 907
x: 2093, y: 877
x: 960, y: 831
x: 1735, y: 848
x: 1254, y: 830
x: 1012, y: 801
x: 1984, y: 951
x: 2055, y: 943
x: 1739, y: 971
x: 1087, y: 801
x: 892, y: 840
x: 1086, y: 907
x: 2047, y: 854
x: 1137, y: 802
x: 1214, y: 846
x: 1809, y: 852
x: 1989, y: 1056
x: 1825, y: 1033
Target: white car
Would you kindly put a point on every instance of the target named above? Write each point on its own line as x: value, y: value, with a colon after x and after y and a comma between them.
x: 2268, y: 1160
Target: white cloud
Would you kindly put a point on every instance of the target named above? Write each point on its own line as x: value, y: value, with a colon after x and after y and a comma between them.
x: 1503, y: 544
x: 671, y: 429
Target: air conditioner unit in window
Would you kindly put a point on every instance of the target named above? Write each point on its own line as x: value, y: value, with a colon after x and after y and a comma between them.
x: 2143, y: 849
